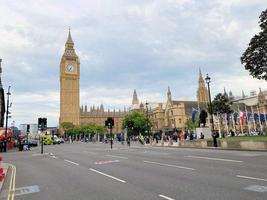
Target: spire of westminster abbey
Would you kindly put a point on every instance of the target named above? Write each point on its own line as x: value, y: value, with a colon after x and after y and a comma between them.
x: 202, y: 92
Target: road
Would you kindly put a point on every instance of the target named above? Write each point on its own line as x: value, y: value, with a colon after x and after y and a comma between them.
x: 81, y: 171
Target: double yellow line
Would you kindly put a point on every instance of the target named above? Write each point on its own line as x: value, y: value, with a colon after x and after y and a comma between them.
x: 12, y: 184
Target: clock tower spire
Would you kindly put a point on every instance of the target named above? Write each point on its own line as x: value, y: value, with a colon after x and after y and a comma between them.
x: 69, y: 84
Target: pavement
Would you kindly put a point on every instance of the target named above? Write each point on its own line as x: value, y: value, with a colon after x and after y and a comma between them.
x: 5, y: 168
x: 94, y: 171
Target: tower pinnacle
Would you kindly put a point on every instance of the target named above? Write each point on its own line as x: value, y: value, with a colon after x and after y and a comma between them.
x: 135, y: 98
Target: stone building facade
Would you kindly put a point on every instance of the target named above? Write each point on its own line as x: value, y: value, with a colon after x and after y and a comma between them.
x: 171, y: 115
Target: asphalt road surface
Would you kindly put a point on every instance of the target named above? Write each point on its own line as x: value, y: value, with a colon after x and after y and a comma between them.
x: 81, y: 171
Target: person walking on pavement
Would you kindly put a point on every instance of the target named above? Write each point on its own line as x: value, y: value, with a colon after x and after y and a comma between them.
x: 128, y: 141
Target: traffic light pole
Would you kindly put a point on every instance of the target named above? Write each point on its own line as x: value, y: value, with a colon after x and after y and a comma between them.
x: 42, y: 144
x: 111, y: 140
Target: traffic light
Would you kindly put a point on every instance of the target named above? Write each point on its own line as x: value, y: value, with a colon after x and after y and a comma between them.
x: 109, y: 122
x: 42, y: 123
x: 45, y: 123
x: 28, y: 128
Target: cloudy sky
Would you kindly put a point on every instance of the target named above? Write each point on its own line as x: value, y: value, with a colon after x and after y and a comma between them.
x: 123, y: 45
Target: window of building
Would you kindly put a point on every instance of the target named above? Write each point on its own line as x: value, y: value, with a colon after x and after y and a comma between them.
x: 180, y: 120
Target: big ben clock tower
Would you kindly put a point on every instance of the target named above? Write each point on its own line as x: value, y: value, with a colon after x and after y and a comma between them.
x: 69, y: 85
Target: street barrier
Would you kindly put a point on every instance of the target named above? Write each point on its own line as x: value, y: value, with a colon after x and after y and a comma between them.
x: 2, y: 173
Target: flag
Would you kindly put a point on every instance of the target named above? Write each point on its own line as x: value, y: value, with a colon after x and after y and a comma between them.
x: 256, y: 117
x: 194, y: 112
x: 262, y: 119
x: 248, y: 117
x: 228, y: 118
x: 242, y: 117
x: 235, y: 117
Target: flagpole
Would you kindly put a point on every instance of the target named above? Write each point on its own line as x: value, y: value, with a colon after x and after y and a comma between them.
x: 254, y: 120
x: 219, y: 119
x: 247, y: 119
x: 226, y: 123
x: 265, y: 119
x: 233, y: 121
x: 241, y: 125
x: 259, y: 119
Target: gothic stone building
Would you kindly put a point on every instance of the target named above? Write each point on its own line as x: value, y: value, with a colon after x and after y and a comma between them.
x: 172, y: 114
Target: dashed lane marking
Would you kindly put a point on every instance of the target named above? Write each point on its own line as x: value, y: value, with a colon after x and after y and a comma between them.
x: 117, y: 157
x: 217, y: 159
x: 39, y: 154
x: 69, y: 161
x: 256, y: 188
x: 252, y: 178
x: 165, y: 197
x: 169, y: 165
x: 106, y: 162
x: 107, y: 175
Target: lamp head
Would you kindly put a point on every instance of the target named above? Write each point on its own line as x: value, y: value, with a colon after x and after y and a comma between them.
x: 207, y: 79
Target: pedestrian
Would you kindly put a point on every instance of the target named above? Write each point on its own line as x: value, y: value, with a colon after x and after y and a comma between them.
x: 215, y: 135
x: 128, y: 141
x: 201, y: 135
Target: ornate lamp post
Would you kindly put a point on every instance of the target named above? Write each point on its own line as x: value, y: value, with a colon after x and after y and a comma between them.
x: 147, y: 124
x: 207, y: 79
x: 7, y: 113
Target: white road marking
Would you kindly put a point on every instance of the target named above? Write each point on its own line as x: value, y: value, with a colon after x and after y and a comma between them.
x: 117, y: 179
x: 252, y: 178
x: 106, y: 162
x: 168, y: 165
x: 165, y: 197
x: 38, y: 154
x: 71, y: 162
x: 117, y: 157
x: 54, y: 157
x: 218, y: 159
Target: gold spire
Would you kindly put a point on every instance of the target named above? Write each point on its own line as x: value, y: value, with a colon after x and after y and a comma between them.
x: 69, y: 40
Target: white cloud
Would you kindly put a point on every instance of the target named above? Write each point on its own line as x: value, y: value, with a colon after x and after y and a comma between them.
x: 123, y: 45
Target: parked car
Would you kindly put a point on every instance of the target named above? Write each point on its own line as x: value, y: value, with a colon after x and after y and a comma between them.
x: 56, y: 140
x: 61, y: 140
x: 32, y: 143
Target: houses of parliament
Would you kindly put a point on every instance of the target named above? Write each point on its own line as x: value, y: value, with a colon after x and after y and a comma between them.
x: 164, y: 116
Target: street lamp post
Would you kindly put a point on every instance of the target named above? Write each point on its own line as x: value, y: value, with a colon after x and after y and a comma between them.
x: 7, y: 113
x: 147, y: 124
x: 207, y: 79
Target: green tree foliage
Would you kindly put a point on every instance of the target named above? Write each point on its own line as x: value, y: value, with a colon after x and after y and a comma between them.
x: 255, y: 56
x: 67, y: 127
x: 221, y: 104
x: 86, y: 129
x: 190, y: 125
x: 136, y: 123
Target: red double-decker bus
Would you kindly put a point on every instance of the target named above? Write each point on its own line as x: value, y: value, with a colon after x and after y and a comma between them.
x: 10, y: 137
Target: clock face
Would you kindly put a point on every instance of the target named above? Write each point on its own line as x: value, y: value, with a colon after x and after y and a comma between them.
x: 70, y: 68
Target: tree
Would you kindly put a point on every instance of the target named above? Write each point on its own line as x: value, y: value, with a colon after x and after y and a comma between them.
x: 136, y: 123
x: 255, y: 56
x: 67, y: 127
x: 221, y: 104
x: 190, y: 125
